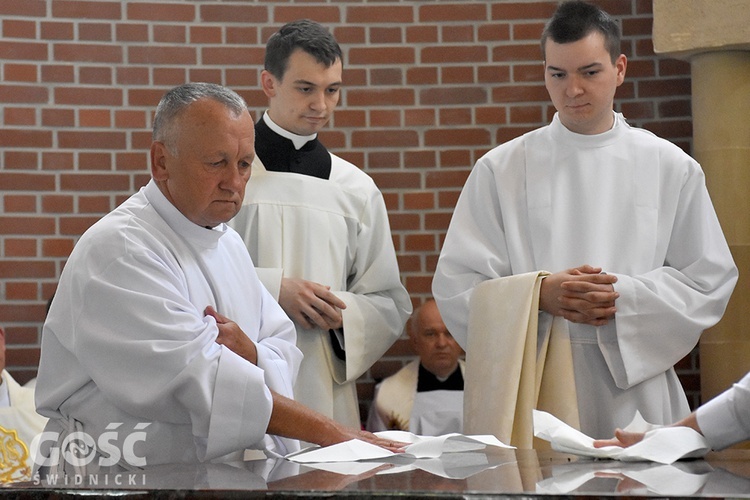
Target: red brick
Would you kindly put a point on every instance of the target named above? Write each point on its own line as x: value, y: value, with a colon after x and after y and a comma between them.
x: 401, y: 221
x: 92, y: 140
x: 441, y: 96
x: 419, y: 117
x: 525, y: 114
x: 346, y: 35
x: 75, y: 226
x: 125, y: 118
x: 526, y: 93
x: 452, y: 75
x: 422, y: 75
x: 212, y: 34
x: 386, y: 35
x: 94, y: 182
x: 494, y: 32
x: 528, y: 31
x: 453, y: 34
x: 20, y: 160
x: 421, y: 34
x: 21, y: 335
x: 170, y: 33
x: 322, y: 14
x: 88, y: 96
x: 385, y: 118
x: 132, y: 161
x: 226, y: 55
x: 27, y: 8
x: 56, y: 160
x: 235, y: 35
x: 664, y: 87
x: 78, y: 9
x: 419, y: 284
x: 454, y: 53
x: 95, y: 161
x: 452, y: 117
x: 673, y: 67
x: 162, y: 55
x: 15, y: 28
x: 517, y: 52
x: 20, y: 138
x: 57, y: 203
x: 384, y: 138
x: 20, y: 313
x: 26, y: 225
x: 94, y: 204
x: 57, y: 30
x: 374, y: 14
x: 490, y: 115
x: 23, y: 50
x: 452, y: 12
x: 23, y: 94
x: 446, y: 178
x: 419, y: 201
x: 57, y: 247
x: 101, y: 118
x: 386, y: 76
x: 381, y: 55
x: 131, y: 32
x: 95, y: 75
x: 20, y: 247
x: 58, y: 73
x: 20, y: 73
x: 377, y: 97
x: 20, y: 116
x: 349, y: 118
x: 455, y: 158
x: 21, y: 291
x: 420, y: 159
x: 25, y: 269
x: 383, y: 159
x: 100, y: 32
x: 241, y: 13
x: 167, y: 77
x: 19, y: 203
x: 161, y: 11
x: 503, y: 11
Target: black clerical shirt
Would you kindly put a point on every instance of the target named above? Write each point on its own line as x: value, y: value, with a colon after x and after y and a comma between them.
x: 427, y: 381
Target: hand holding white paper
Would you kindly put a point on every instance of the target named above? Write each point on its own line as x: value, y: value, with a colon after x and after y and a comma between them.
x: 663, y: 445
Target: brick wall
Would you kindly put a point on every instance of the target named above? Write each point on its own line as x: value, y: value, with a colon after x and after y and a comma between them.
x: 430, y: 86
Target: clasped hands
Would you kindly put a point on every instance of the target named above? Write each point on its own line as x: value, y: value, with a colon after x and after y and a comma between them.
x: 581, y: 295
x: 311, y: 304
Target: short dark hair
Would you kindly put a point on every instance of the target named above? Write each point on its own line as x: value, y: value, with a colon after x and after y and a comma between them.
x: 575, y: 19
x: 304, y: 34
x: 180, y: 97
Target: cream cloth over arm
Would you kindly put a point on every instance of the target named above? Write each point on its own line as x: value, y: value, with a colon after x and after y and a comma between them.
x: 507, y: 373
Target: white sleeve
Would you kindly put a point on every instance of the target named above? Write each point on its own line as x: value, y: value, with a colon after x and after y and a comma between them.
x: 725, y: 420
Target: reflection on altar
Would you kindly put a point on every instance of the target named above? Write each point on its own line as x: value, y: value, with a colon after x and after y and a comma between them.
x: 487, y: 473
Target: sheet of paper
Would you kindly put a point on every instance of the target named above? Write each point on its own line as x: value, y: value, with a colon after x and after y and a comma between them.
x: 419, y: 447
x: 663, y: 445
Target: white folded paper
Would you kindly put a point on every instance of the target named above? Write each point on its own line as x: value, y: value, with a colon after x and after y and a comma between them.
x: 663, y: 445
x: 420, y: 447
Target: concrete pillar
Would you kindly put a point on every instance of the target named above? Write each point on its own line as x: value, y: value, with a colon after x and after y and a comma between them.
x: 713, y: 36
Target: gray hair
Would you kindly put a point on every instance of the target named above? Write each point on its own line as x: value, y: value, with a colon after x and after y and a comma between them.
x: 179, y: 98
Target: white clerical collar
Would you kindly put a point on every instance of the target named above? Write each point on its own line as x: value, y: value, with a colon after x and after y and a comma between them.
x: 297, y: 140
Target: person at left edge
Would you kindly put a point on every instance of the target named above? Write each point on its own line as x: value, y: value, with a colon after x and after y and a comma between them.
x: 139, y: 331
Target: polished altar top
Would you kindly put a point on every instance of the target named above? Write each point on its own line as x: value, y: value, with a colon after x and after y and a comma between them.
x: 492, y: 472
